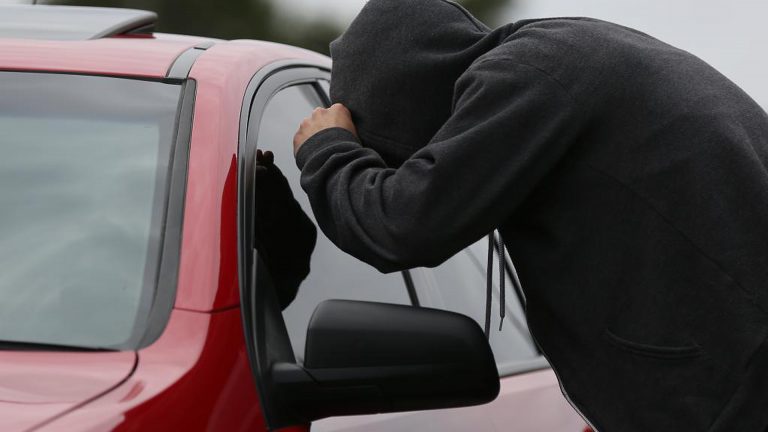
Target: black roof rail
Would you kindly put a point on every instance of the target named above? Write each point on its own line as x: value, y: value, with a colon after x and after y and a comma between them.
x: 72, y: 22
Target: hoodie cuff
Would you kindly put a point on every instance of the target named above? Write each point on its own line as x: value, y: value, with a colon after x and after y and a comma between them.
x: 320, y: 140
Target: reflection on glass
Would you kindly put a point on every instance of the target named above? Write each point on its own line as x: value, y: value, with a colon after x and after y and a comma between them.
x: 459, y: 285
x: 82, y: 191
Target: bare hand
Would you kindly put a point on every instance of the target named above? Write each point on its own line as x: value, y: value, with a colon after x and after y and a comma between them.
x: 337, y: 115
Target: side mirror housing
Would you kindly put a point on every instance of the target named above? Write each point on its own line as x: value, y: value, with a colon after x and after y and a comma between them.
x: 365, y: 358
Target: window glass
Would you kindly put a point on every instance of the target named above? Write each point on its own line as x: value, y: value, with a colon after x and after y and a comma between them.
x: 334, y: 274
x: 83, y: 167
x: 459, y: 285
x: 326, y: 86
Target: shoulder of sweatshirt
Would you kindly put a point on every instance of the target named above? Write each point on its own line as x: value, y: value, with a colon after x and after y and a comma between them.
x: 584, y: 55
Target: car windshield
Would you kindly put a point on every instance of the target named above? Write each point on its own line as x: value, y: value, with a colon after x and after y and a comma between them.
x: 84, y: 165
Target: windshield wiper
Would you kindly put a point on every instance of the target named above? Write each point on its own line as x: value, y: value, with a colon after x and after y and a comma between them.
x: 36, y: 346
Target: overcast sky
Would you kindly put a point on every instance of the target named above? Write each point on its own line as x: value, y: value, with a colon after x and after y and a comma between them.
x: 732, y: 35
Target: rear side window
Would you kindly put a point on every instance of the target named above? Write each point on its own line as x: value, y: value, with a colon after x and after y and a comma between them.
x: 459, y: 285
x: 84, y: 164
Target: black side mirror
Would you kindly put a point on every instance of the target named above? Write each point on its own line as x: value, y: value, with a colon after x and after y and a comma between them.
x: 365, y: 358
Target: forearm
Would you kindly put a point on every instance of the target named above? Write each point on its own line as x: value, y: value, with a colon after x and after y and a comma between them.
x: 356, y: 204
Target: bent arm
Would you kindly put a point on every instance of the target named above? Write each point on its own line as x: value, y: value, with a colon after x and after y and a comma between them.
x: 511, y: 123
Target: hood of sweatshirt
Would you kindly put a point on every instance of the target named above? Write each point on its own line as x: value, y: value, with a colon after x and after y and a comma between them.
x: 395, y: 68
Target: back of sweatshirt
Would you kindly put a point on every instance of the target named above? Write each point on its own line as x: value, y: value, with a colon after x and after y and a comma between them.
x: 628, y: 177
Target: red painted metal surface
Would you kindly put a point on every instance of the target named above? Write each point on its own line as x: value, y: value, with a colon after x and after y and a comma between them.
x: 527, y: 402
x: 195, y: 377
x: 35, y: 386
x: 145, y: 57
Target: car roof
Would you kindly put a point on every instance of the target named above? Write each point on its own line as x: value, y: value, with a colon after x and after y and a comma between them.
x: 145, y: 57
x: 106, y: 41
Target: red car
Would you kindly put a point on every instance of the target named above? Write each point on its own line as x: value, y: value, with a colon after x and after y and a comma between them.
x: 133, y: 297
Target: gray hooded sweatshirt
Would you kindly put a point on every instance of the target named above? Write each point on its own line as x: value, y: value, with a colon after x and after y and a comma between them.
x: 628, y: 178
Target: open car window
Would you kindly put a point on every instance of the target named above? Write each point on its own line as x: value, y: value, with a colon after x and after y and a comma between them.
x: 333, y: 274
x: 457, y: 285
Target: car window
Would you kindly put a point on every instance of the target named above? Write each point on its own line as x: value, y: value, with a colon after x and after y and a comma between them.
x: 459, y: 285
x: 333, y: 274
x: 326, y: 86
x: 84, y: 164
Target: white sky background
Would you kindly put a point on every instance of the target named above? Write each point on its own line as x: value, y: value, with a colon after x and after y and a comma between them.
x: 730, y: 35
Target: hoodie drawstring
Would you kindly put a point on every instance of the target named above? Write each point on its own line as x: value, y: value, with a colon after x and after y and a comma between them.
x: 489, y: 287
x: 498, y: 244
x: 502, y: 279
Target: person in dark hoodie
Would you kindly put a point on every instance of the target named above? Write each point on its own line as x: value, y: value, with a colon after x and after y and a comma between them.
x: 628, y: 178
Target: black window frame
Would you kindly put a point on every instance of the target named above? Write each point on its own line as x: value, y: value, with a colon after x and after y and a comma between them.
x: 266, y: 336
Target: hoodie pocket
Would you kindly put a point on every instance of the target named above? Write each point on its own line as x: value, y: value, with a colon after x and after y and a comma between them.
x: 690, y: 350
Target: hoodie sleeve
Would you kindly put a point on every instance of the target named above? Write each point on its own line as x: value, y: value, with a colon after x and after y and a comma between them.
x: 510, y: 124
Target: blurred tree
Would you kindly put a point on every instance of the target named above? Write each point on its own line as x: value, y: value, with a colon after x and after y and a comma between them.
x: 487, y: 10
x: 229, y: 19
x: 255, y: 19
